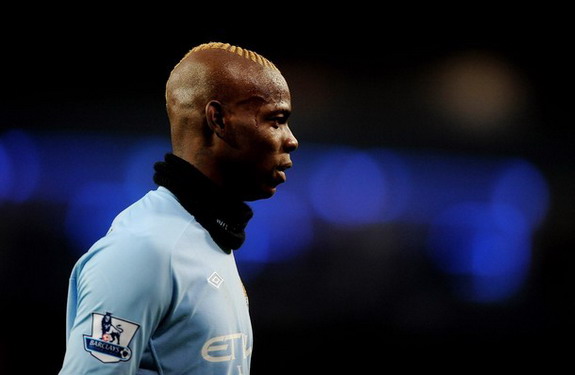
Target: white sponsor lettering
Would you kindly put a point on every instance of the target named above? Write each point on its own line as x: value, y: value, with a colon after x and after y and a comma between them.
x: 224, y: 348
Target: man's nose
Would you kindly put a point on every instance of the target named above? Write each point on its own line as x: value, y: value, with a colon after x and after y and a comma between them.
x: 291, y: 143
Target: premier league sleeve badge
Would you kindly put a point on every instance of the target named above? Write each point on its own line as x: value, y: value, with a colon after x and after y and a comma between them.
x: 110, y: 338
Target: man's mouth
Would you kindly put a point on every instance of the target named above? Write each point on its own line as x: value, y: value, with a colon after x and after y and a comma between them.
x: 281, y: 171
x: 284, y: 166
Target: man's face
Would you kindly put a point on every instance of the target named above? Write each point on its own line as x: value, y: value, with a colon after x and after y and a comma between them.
x: 260, y: 140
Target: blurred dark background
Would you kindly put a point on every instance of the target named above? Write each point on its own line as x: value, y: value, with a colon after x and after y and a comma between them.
x: 427, y: 221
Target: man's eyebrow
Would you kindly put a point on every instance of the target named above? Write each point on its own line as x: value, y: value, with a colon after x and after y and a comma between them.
x: 260, y: 100
x: 254, y: 99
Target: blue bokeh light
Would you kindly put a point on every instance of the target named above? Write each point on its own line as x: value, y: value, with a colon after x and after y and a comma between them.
x: 348, y: 188
x: 72, y: 161
x: 481, y: 212
x: 22, y: 175
x: 438, y: 181
x: 6, y: 179
x: 522, y: 186
x: 398, y: 183
x: 256, y: 248
x: 491, y: 247
x: 139, y: 164
x: 91, y: 211
x: 282, y: 227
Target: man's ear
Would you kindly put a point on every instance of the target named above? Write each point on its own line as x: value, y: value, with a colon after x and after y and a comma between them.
x: 215, y: 117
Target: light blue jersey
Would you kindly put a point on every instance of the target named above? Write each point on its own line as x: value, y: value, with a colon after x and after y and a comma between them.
x: 156, y: 295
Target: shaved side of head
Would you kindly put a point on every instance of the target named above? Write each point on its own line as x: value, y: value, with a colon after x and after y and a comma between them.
x: 208, y: 72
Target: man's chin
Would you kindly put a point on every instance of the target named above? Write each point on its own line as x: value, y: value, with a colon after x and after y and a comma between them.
x: 263, y: 193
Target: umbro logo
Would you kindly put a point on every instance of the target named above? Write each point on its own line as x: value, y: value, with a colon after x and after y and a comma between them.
x: 215, y: 280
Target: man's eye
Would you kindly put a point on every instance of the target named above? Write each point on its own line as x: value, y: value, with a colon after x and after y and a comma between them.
x: 279, y: 120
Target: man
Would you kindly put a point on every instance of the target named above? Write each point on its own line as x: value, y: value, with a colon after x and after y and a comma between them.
x: 165, y: 272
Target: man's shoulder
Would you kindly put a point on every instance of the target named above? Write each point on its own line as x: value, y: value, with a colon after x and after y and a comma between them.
x: 148, y: 229
x: 157, y: 213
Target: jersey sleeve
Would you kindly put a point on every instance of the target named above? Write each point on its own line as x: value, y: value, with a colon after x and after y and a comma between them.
x: 119, y: 292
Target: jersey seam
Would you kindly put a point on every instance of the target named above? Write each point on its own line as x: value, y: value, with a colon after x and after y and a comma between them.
x: 155, y: 357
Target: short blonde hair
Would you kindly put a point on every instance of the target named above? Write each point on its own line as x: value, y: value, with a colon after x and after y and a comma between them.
x: 250, y: 55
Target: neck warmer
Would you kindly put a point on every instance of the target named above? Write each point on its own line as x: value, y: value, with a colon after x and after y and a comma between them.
x: 223, y: 216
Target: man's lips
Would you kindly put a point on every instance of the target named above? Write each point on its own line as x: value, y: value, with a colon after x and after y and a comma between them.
x: 280, y: 169
x: 282, y: 176
x: 284, y: 166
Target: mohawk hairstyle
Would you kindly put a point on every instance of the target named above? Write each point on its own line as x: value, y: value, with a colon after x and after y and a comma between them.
x: 250, y: 55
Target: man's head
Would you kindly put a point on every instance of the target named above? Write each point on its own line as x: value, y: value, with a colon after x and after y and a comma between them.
x: 228, y: 109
